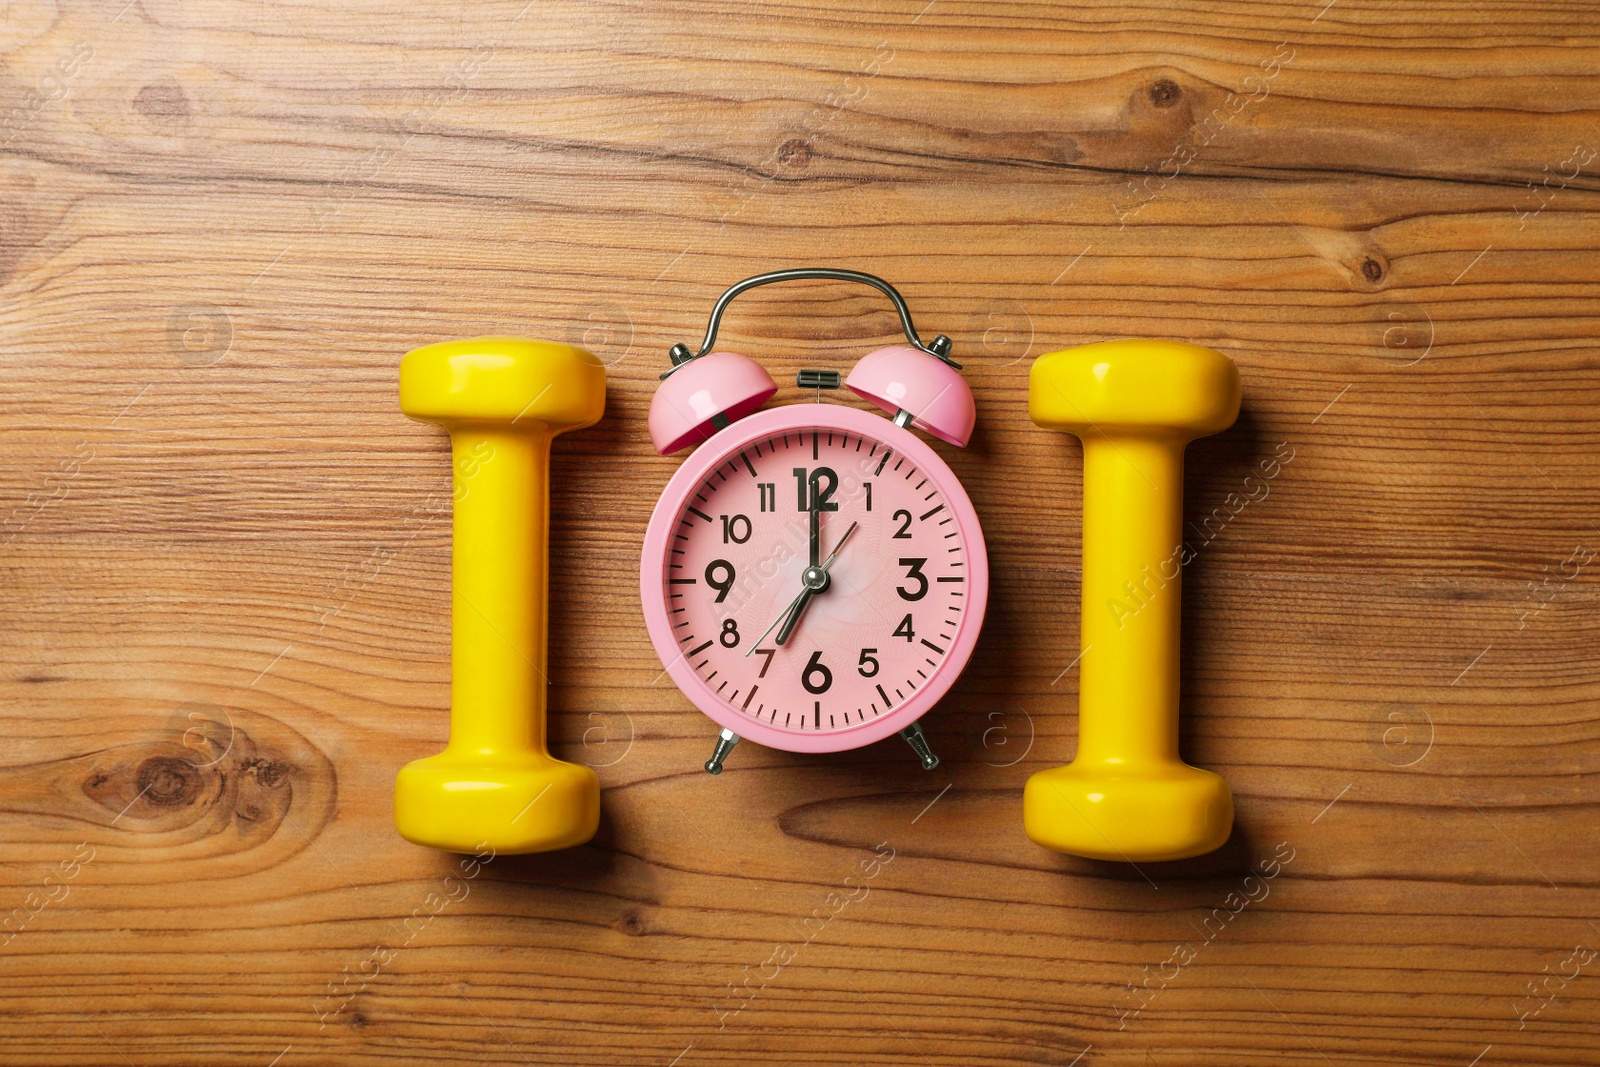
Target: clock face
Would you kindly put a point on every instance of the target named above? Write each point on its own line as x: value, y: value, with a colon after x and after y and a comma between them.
x: 859, y: 528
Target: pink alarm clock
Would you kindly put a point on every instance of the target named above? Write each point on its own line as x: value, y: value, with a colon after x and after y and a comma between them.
x: 814, y: 576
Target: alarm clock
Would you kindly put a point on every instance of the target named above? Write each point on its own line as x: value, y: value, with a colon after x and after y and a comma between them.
x: 814, y: 576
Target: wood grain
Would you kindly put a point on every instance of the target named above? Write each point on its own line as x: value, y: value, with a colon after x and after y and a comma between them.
x: 227, y: 572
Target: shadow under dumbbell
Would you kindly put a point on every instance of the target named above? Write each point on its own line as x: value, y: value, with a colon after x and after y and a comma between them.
x: 1205, y: 877
x: 583, y: 867
x: 1223, y: 481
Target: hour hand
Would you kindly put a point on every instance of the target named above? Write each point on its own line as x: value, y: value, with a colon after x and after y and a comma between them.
x: 793, y: 617
x: 787, y: 613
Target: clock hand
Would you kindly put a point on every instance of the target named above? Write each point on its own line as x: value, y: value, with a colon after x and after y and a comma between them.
x: 794, y: 618
x: 816, y: 579
x: 815, y: 552
x: 835, y: 553
x: 784, y: 615
x: 816, y: 526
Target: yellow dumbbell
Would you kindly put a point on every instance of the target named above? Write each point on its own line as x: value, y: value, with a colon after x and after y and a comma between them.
x: 495, y: 785
x: 1135, y: 405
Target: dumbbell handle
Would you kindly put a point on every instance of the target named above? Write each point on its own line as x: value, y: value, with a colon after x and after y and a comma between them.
x: 500, y: 573
x: 1128, y: 673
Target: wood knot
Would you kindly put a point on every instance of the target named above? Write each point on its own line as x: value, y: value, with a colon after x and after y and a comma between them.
x: 795, y: 152
x: 1164, y: 93
x: 167, y: 781
x: 163, y: 103
x: 633, y: 925
x: 1369, y: 267
x: 268, y: 772
x: 206, y: 783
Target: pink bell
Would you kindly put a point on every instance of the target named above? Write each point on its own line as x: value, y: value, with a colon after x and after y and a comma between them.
x: 900, y: 378
x: 725, y: 384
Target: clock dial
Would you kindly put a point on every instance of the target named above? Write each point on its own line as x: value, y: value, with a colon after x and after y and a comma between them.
x: 873, y: 633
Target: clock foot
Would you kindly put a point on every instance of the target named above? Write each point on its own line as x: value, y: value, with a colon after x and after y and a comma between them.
x: 919, y: 745
x: 725, y: 742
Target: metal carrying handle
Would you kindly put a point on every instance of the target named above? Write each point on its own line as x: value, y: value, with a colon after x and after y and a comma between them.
x: 939, y: 347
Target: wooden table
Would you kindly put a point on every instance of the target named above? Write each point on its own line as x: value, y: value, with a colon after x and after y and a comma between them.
x: 227, y: 573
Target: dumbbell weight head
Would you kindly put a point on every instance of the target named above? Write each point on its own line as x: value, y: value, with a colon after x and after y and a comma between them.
x: 495, y: 785
x: 1138, y: 388
x: 511, y: 383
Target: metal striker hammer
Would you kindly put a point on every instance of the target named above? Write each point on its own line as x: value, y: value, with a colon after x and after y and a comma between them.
x: 503, y: 399
x: 1135, y: 405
